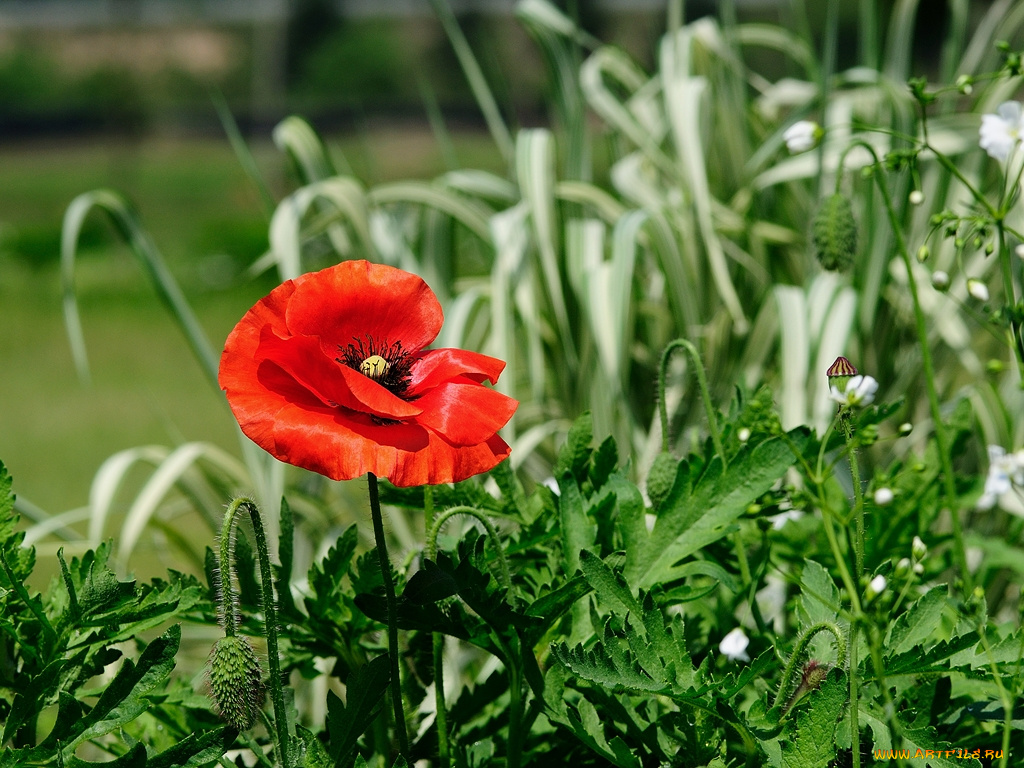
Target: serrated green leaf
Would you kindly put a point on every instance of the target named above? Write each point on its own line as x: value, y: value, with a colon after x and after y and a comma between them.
x: 811, y: 742
x: 134, y: 758
x: 124, y: 698
x: 578, y: 532
x: 196, y: 749
x: 575, y: 454
x: 689, y: 521
x: 346, y: 722
x: 918, y: 661
x: 918, y: 623
x: 819, y: 597
x: 603, y: 462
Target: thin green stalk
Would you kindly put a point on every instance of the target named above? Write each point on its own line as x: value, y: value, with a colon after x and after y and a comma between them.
x: 858, y: 505
x: 269, y: 610
x: 854, y: 695
x: 492, y: 532
x: 702, y: 382
x: 1016, y: 333
x: 515, y: 673
x: 941, y: 439
x: 441, y: 713
x: 392, y: 606
x: 437, y: 643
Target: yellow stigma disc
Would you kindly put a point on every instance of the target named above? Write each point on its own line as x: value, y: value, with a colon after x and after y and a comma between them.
x: 374, y: 366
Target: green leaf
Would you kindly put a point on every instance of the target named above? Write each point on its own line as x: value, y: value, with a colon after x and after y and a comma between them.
x: 124, y: 699
x: 195, y: 750
x: 575, y: 454
x: 578, y: 532
x: 690, y: 520
x: 917, y: 661
x: 134, y: 758
x: 811, y: 742
x: 918, y: 623
x: 347, y: 722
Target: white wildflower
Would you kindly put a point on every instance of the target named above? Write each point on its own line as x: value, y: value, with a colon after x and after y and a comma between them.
x: 1005, y: 470
x: 1000, y: 133
x: 734, y: 645
x: 859, y: 391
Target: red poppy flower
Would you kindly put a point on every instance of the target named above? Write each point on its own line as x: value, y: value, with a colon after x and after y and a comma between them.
x: 328, y: 372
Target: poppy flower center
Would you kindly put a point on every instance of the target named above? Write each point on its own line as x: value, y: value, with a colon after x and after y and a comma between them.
x: 387, y: 364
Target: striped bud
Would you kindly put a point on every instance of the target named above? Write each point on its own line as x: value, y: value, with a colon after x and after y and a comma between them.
x: 236, y: 681
x: 835, y: 233
x: 840, y: 372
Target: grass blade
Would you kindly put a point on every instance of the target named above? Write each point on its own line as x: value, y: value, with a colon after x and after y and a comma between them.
x: 129, y: 226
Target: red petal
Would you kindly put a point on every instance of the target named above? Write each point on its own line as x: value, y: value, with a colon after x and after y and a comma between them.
x: 464, y: 412
x: 356, y: 300
x: 342, y: 448
x: 331, y: 381
x: 439, y: 365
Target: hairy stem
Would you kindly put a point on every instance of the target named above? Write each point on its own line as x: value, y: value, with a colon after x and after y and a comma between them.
x: 269, y: 609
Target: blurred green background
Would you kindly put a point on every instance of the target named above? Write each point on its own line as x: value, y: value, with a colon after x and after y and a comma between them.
x: 119, y: 93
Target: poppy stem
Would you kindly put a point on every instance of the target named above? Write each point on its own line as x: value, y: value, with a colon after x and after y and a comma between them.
x: 246, y: 505
x: 392, y: 604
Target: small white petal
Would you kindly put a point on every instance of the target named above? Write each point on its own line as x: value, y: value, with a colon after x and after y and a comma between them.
x: 734, y: 645
x: 884, y: 497
x: 1000, y: 133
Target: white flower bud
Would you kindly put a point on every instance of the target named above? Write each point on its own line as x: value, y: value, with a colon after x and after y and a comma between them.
x: 977, y: 289
x: 918, y: 548
x: 883, y: 497
x: 802, y: 136
x: 940, y: 280
x: 916, y: 197
x: 876, y: 587
x: 743, y: 435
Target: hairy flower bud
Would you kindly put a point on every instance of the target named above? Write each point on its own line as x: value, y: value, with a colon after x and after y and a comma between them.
x: 236, y: 681
x: 661, y: 478
x: 835, y: 233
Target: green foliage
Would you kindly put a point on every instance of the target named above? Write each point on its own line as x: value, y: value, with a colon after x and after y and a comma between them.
x: 55, y: 644
x: 593, y: 624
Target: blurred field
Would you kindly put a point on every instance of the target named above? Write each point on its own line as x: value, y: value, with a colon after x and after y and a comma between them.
x: 208, y: 220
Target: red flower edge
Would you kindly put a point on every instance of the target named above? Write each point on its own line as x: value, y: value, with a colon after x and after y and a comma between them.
x: 328, y: 372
